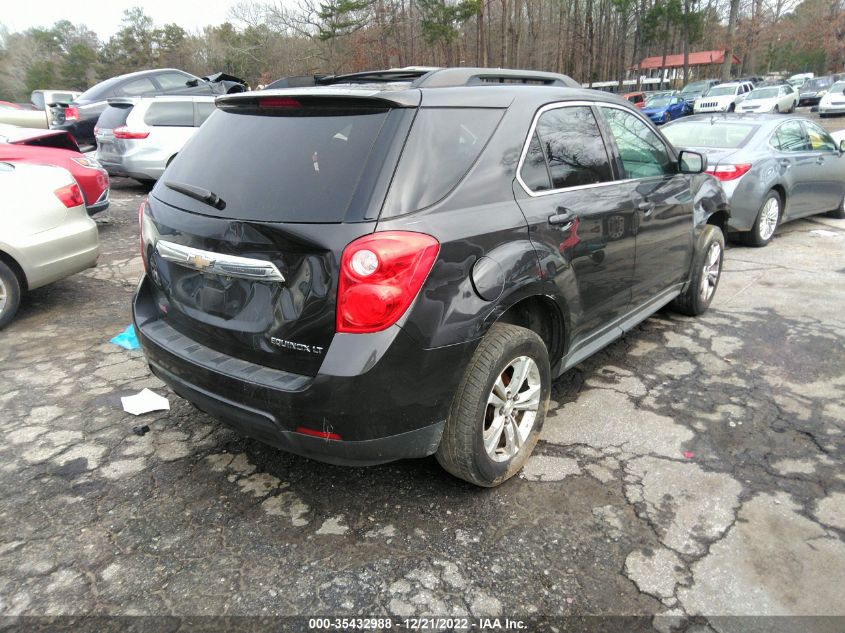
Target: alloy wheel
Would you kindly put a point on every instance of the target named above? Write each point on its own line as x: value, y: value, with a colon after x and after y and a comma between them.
x: 769, y: 219
x: 710, y: 271
x: 512, y: 408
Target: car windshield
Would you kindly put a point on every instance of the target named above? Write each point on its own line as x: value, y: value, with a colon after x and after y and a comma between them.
x: 658, y: 102
x: 817, y: 84
x: 763, y: 93
x: 720, y: 91
x: 709, y: 134
x: 839, y: 86
x: 698, y: 86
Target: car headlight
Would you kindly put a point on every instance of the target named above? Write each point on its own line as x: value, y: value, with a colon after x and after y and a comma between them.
x: 90, y: 163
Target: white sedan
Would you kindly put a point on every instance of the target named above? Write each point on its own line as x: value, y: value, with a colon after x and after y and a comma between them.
x: 45, y: 231
x: 833, y: 102
x: 783, y: 98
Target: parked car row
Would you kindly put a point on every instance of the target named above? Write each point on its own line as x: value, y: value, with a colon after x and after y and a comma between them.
x: 79, y: 117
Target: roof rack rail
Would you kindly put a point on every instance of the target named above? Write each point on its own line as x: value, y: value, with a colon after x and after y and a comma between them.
x: 426, y: 77
x: 450, y: 77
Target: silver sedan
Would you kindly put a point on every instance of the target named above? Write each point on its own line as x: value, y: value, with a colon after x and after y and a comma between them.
x: 772, y: 168
x: 45, y: 231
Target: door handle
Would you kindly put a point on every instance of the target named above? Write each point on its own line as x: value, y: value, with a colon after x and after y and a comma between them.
x: 820, y: 160
x: 647, y: 207
x: 784, y: 162
x: 563, y: 217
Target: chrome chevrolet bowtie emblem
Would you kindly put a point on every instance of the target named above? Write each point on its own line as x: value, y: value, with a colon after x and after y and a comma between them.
x: 199, y: 261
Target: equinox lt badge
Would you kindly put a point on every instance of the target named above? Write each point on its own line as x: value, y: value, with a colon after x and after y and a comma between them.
x: 299, y: 347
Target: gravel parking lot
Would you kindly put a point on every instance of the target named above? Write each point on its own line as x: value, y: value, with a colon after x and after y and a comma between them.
x: 693, y: 468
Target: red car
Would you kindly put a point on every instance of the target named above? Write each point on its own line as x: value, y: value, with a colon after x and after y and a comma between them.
x: 56, y: 147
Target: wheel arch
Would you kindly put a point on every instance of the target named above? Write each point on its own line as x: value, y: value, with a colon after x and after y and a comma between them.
x: 12, y: 263
x: 543, y: 315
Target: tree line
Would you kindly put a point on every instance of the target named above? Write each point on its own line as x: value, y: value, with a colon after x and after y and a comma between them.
x: 590, y: 40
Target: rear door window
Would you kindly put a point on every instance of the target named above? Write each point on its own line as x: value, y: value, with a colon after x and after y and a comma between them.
x: 569, y: 141
x: 173, y: 81
x: 170, y: 114
x: 642, y: 152
x: 136, y: 88
x: 791, y: 137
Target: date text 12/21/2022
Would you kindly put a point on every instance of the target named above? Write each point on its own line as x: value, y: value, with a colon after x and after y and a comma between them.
x: 417, y: 624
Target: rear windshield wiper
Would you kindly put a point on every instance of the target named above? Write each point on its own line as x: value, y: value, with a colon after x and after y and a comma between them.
x: 197, y: 193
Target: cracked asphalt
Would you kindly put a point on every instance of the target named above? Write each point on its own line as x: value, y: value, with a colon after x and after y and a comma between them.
x: 692, y: 470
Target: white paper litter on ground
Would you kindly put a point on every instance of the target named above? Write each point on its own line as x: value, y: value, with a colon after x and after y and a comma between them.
x: 145, y: 402
x: 824, y: 233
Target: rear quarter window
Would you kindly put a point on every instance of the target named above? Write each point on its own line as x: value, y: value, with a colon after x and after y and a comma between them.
x: 442, y: 146
x: 170, y: 114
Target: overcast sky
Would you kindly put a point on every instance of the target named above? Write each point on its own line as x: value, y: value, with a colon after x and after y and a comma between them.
x: 104, y: 17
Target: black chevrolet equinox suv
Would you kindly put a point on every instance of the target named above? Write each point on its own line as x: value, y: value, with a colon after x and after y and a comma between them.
x: 398, y: 263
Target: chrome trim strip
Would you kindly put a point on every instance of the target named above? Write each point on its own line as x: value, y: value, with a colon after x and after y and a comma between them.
x: 218, y: 264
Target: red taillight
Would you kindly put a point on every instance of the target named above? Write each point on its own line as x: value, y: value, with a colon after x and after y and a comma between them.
x: 729, y: 172
x: 141, y: 230
x: 278, y: 102
x: 326, y: 435
x: 126, y: 133
x: 70, y: 195
x: 380, y: 275
x: 71, y: 113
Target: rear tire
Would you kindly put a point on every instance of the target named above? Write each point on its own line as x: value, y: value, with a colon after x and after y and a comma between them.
x: 767, y: 222
x: 794, y: 106
x: 10, y: 294
x: 492, y: 429
x: 706, y: 273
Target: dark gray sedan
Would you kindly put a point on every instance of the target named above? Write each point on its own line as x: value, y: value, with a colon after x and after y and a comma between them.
x: 773, y: 168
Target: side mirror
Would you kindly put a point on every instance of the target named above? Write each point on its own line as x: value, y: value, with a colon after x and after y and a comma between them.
x: 192, y: 83
x: 842, y: 146
x: 692, y: 162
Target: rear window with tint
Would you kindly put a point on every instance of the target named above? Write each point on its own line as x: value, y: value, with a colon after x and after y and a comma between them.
x: 707, y: 134
x: 442, y: 146
x: 114, y: 116
x: 170, y: 114
x: 297, y: 165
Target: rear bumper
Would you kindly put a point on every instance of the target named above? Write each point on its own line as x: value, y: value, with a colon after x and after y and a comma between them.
x: 143, y: 163
x: 831, y: 109
x: 382, y: 395
x: 101, y: 204
x: 142, y: 172
x: 59, y: 252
